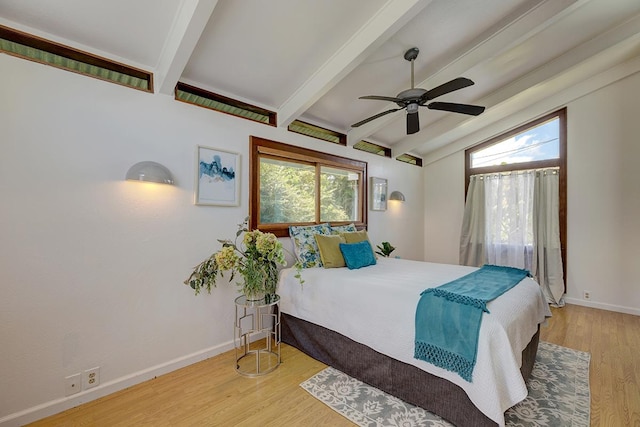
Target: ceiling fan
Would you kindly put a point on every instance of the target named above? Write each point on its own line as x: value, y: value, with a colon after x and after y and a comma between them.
x: 413, y: 98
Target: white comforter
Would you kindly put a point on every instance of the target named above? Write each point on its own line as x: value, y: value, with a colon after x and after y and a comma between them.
x: 376, y: 306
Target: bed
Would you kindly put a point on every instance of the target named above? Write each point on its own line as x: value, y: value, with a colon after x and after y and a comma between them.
x: 362, y: 322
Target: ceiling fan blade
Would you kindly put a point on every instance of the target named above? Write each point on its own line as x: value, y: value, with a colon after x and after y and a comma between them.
x: 384, y: 113
x: 381, y: 98
x: 450, y: 86
x: 472, y: 110
x: 413, y: 123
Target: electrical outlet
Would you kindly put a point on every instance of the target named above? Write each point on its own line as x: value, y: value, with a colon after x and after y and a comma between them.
x: 72, y: 384
x: 586, y: 294
x: 91, y: 378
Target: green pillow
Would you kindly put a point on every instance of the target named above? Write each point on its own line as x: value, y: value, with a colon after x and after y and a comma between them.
x: 329, y: 247
x: 355, y: 236
x: 358, y: 236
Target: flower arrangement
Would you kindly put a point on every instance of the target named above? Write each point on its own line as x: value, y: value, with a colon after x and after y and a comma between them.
x: 257, y: 259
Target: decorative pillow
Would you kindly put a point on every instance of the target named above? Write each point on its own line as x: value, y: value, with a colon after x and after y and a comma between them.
x: 355, y: 236
x: 304, y: 244
x: 357, y: 255
x: 339, y: 229
x: 358, y: 236
x: 330, y: 250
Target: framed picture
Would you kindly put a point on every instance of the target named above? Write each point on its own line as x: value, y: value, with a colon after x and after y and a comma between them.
x: 378, y: 194
x: 217, y: 177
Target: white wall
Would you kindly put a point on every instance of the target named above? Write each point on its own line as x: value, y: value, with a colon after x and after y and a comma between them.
x: 91, y: 266
x: 603, y: 199
x: 604, y: 196
x: 444, y: 209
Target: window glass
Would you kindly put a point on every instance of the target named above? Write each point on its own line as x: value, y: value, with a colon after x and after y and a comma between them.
x: 287, y: 191
x: 213, y: 101
x: 541, y: 142
x: 370, y: 147
x: 338, y: 194
x: 318, y: 132
x: 408, y: 158
x: 291, y: 185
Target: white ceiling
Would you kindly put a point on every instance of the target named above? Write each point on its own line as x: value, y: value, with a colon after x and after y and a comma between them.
x: 312, y: 59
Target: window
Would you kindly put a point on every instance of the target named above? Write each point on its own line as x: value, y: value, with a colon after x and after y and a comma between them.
x: 370, y: 147
x: 533, y: 144
x: 339, y: 199
x: 317, y: 132
x: 506, y: 168
x: 408, y: 158
x: 213, y: 101
x: 36, y: 49
x: 292, y: 185
x: 538, y: 144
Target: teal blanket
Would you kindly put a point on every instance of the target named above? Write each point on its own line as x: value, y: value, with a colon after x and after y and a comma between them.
x: 448, y: 317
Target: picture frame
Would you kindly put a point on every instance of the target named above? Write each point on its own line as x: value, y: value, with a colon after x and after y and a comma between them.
x: 378, y: 194
x: 217, y: 177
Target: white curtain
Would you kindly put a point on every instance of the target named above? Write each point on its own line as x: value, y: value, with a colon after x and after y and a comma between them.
x: 473, y: 234
x: 513, y: 219
x: 547, y: 265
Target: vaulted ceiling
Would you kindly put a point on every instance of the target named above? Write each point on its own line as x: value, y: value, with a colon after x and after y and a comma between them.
x: 311, y: 59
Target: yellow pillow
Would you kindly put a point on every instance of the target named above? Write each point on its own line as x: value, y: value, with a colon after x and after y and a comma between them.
x: 355, y: 236
x: 329, y: 246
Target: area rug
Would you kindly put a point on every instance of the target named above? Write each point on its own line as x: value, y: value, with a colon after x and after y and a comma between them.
x: 558, y: 395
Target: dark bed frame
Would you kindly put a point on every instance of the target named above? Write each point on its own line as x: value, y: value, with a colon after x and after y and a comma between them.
x: 399, y: 379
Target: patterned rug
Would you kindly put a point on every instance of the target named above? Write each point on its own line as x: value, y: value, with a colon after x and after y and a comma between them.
x: 558, y: 395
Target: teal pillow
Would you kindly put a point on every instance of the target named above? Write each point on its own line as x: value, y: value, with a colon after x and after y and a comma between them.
x: 357, y: 255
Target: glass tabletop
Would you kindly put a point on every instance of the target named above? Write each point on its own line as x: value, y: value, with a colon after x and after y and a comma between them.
x: 264, y: 302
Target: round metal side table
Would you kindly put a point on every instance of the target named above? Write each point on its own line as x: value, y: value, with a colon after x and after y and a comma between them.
x: 256, y: 336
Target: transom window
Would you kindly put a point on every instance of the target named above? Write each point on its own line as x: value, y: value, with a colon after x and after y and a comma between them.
x: 539, y: 142
x: 213, y: 101
x: 27, y: 46
x: 318, y: 132
x: 292, y: 185
x: 370, y: 147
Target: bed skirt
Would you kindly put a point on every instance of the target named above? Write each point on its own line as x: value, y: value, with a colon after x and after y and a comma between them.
x: 392, y: 376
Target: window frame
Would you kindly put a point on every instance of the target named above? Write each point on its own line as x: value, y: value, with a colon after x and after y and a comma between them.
x: 271, y: 117
x: 409, y: 159
x: 560, y: 162
x: 48, y: 46
x: 370, y: 147
x: 260, y: 147
x: 317, y: 132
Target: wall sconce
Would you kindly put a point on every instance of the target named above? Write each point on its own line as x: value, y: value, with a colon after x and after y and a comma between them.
x: 396, y: 195
x: 149, y: 172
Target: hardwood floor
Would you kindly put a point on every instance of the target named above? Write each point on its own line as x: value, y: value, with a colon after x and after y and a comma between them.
x: 613, y: 339
x: 211, y: 393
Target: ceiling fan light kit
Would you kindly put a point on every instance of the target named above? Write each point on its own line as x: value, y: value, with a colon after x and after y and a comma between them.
x: 412, y: 99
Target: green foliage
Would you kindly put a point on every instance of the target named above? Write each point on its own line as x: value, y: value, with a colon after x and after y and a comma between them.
x: 288, y: 194
x: 385, y: 249
x: 337, y: 198
x: 256, y: 258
